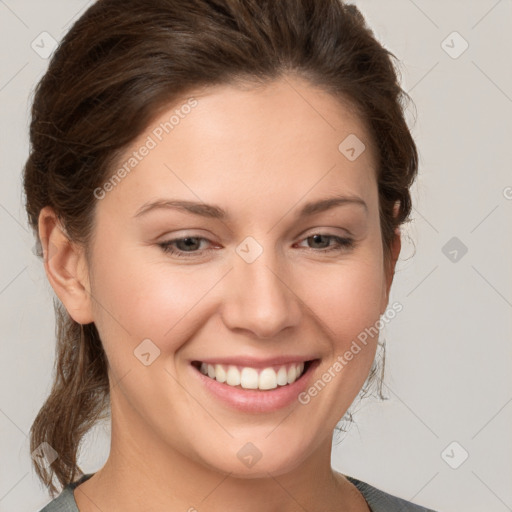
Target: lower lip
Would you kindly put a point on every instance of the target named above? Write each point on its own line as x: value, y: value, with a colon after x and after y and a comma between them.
x: 257, y: 401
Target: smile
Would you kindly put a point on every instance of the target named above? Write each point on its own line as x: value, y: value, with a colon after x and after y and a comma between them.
x: 252, y: 385
x: 246, y: 377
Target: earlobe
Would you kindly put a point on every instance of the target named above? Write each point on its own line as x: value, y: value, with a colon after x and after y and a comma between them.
x: 65, y: 267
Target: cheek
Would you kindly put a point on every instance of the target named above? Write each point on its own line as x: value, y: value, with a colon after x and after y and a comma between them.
x: 346, y: 302
x: 137, y: 298
x: 346, y: 299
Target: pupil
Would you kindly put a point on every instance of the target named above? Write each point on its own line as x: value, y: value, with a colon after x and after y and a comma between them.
x: 187, y: 243
x: 316, y: 237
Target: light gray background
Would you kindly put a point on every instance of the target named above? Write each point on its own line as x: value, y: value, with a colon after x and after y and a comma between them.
x: 449, y: 352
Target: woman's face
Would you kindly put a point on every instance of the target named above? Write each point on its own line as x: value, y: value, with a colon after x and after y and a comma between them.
x: 269, y: 284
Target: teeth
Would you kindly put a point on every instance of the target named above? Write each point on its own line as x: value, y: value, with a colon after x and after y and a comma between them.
x: 220, y: 373
x: 292, y: 374
x: 282, y: 376
x: 233, y: 376
x: 267, y: 379
x: 251, y: 378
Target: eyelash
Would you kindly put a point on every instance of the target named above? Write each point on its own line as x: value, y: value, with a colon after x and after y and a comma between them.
x: 342, y: 244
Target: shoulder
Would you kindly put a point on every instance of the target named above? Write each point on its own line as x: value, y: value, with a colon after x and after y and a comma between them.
x: 65, y: 501
x: 380, y: 501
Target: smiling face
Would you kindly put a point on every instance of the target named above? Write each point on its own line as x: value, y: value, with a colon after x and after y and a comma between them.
x: 263, y: 279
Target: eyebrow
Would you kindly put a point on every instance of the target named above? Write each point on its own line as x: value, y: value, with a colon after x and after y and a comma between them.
x: 216, y: 212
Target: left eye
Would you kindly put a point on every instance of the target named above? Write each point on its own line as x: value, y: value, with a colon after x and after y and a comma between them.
x: 341, y: 243
x: 190, y: 244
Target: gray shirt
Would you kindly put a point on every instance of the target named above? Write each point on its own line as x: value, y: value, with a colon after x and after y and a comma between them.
x: 378, y: 501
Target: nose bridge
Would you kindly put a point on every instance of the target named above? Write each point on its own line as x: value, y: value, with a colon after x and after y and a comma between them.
x: 260, y: 299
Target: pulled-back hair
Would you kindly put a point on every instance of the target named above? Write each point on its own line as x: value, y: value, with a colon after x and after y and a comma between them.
x: 121, y: 63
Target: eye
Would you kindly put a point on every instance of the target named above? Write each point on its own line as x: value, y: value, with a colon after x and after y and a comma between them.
x: 189, y: 246
x: 341, y: 243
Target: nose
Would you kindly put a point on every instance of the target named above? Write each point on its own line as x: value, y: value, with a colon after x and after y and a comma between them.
x: 261, y: 298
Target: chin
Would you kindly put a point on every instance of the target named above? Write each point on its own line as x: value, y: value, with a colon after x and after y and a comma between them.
x: 246, y: 461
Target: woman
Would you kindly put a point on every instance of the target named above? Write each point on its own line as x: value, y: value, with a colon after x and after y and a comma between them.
x: 187, y: 157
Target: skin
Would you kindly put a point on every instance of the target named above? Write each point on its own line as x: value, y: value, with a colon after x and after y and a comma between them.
x: 259, y: 153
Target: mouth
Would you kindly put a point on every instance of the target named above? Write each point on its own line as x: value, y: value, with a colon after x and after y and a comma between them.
x: 263, y: 378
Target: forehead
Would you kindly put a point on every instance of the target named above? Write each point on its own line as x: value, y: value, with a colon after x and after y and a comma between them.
x: 233, y: 142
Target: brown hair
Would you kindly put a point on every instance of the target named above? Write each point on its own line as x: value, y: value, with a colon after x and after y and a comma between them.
x: 117, y: 67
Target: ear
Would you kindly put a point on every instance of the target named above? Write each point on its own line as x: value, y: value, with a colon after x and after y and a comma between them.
x: 65, y: 267
x: 396, y: 246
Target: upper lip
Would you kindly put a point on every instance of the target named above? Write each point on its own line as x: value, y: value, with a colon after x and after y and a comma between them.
x: 255, y: 362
